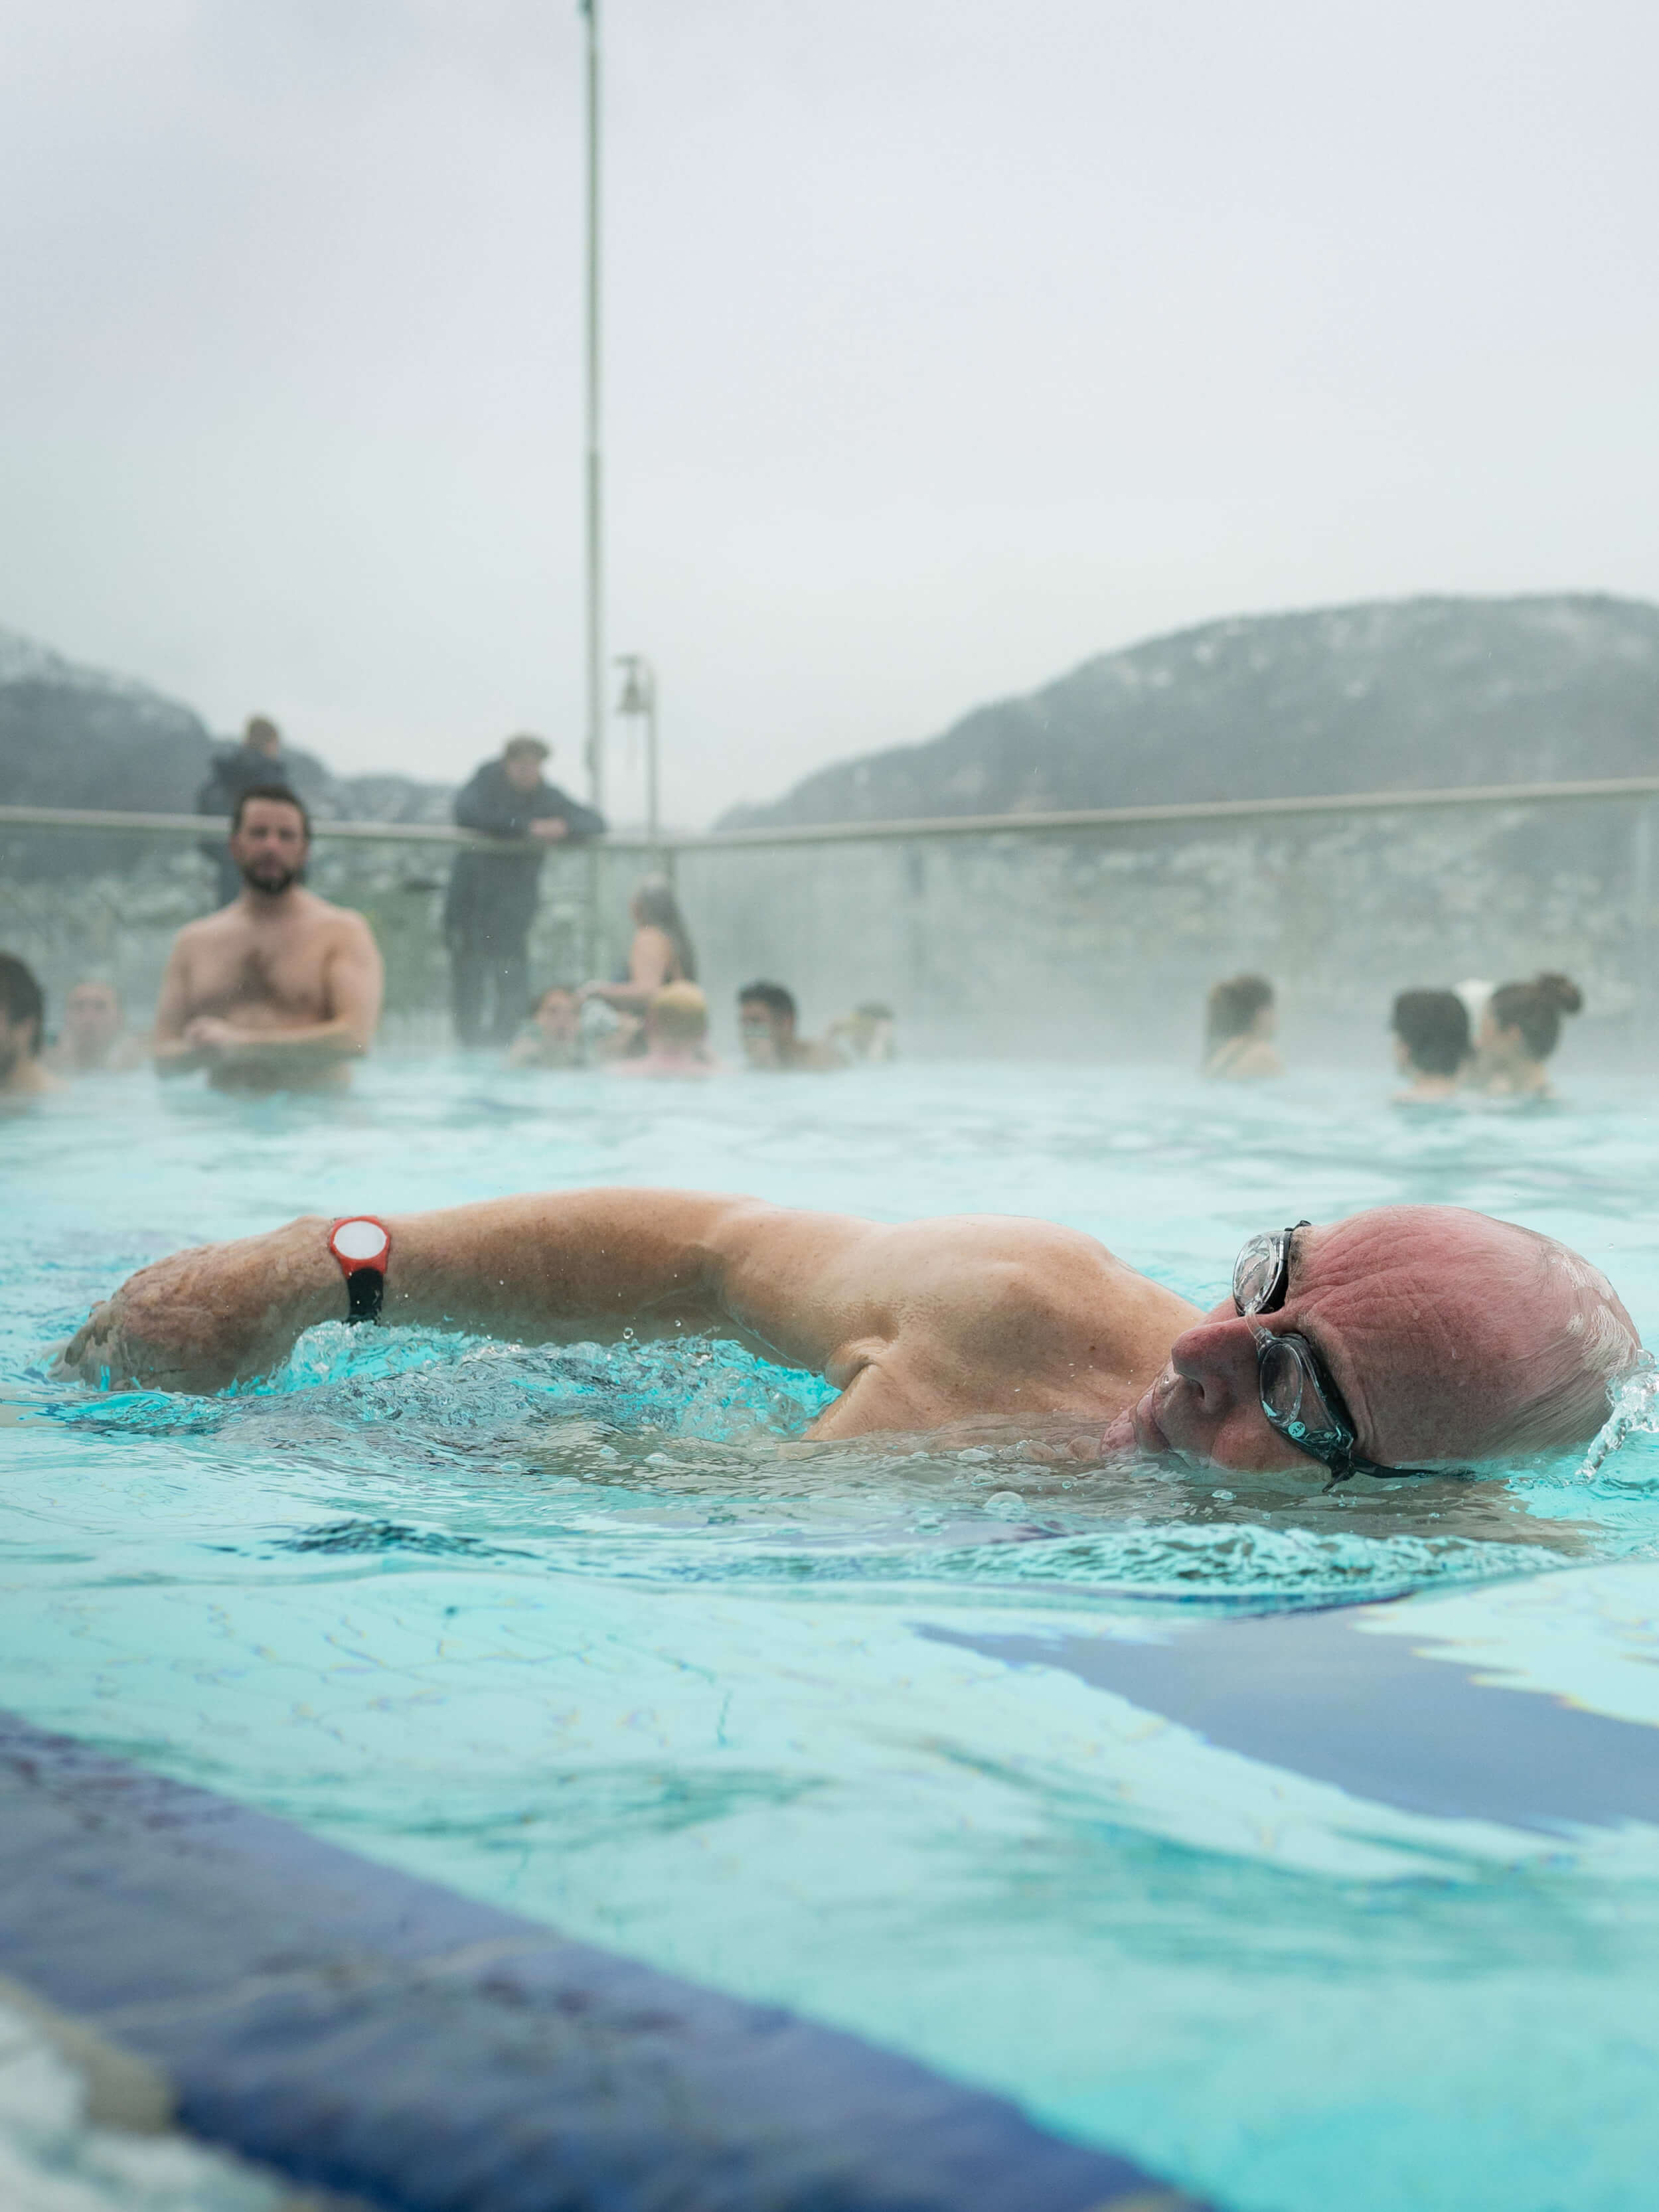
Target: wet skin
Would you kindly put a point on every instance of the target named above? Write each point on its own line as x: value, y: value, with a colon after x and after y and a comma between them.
x: 277, y: 991
x: 22, y: 1074
x: 93, y: 1040
x: 1451, y: 1336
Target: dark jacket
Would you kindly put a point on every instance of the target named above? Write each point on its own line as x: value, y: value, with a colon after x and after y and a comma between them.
x: 232, y: 772
x: 492, y: 899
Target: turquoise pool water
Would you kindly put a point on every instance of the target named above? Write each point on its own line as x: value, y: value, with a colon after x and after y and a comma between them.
x: 570, y: 1630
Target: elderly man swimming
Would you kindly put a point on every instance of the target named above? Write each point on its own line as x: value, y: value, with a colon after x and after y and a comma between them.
x: 1403, y: 1339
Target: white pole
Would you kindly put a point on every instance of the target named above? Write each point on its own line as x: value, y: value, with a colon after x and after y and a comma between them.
x: 595, y: 533
x: 652, y: 810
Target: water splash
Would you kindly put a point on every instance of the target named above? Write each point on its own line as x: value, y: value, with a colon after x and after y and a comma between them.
x: 1635, y: 1413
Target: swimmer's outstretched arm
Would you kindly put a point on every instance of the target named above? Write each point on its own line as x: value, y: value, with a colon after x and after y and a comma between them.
x: 559, y: 1268
x: 912, y: 1321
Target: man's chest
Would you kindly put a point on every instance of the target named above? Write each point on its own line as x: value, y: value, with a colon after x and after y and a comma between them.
x: 281, y: 972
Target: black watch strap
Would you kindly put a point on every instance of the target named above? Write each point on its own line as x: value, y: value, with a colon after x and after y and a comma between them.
x: 365, y: 1287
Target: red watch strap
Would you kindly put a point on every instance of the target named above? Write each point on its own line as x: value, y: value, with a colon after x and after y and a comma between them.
x: 361, y: 1258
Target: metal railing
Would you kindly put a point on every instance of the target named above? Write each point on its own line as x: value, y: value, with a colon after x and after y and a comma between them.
x: 1096, y: 929
x: 1078, y: 819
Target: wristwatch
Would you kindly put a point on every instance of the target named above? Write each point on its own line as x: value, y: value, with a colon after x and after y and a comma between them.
x: 362, y: 1246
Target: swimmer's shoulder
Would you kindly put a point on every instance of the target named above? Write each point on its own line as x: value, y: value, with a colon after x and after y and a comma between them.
x: 343, y: 923
x: 1241, y: 1060
x: 207, y: 930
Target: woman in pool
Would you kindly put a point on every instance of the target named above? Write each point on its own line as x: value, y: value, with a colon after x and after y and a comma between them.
x: 661, y: 952
x: 1431, y: 1044
x: 1520, y: 1029
x: 1240, y: 1019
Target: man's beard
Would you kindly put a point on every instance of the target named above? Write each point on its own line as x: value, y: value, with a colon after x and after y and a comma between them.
x: 272, y: 886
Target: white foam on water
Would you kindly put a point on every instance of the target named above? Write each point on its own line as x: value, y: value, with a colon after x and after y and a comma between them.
x: 52, y: 2159
x: 1635, y: 1413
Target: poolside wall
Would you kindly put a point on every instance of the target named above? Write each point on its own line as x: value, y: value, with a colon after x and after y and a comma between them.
x: 1080, y: 941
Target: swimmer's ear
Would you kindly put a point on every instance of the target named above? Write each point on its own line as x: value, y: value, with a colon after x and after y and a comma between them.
x: 68, y: 1361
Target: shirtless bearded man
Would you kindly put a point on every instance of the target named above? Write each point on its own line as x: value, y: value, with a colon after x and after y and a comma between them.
x: 279, y: 990
x: 1404, y: 1339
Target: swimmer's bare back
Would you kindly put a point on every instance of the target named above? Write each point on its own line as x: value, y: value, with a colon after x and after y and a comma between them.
x: 919, y: 1327
x: 278, y: 998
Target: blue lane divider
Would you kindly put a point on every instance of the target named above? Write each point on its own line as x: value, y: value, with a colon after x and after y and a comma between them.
x: 366, y: 2032
x: 1381, y: 1716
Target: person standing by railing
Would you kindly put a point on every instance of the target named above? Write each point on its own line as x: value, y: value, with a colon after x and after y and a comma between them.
x: 259, y: 758
x: 491, y: 901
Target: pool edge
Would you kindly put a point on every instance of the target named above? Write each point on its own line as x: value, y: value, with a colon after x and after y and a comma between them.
x: 358, y: 2029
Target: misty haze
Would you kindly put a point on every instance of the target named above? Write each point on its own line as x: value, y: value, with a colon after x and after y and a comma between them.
x: 829, y: 907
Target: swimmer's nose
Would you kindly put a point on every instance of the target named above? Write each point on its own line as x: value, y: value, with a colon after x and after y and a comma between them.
x: 1218, y: 1359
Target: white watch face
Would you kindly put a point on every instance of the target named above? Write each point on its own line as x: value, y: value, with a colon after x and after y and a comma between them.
x: 361, y: 1240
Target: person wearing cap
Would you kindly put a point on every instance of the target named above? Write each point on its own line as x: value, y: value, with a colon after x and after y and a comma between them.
x: 491, y: 901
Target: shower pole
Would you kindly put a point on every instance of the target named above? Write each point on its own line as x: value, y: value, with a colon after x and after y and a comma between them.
x: 594, y: 563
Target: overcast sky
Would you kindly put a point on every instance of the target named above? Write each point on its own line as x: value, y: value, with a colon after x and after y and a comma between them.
x: 949, y: 342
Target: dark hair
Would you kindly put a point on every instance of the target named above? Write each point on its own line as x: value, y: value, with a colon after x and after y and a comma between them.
x: 772, y: 996
x: 1233, y: 1006
x: 21, y: 996
x: 658, y: 909
x: 1535, y: 1009
x: 260, y: 730
x: 279, y: 791
x: 1434, y: 1028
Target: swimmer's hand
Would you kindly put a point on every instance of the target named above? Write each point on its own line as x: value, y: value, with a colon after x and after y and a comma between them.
x: 207, y: 1033
x: 217, y: 1315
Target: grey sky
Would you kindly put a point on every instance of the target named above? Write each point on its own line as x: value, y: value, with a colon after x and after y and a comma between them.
x: 950, y: 344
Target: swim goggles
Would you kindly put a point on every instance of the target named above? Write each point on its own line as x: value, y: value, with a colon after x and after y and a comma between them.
x: 1297, y: 1393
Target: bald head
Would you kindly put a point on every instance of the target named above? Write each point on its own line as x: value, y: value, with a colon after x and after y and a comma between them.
x: 1460, y: 1337
x: 1454, y: 1338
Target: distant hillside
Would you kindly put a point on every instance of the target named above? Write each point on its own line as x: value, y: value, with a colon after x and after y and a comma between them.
x: 71, y: 735
x: 1395, y: 696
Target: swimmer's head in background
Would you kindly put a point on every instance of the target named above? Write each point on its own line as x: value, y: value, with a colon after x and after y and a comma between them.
x: 1433, y: 1030
x: 1527, y: 1017
x: 23, y: 1013
x: 765, y: 1022
x: 1241, y: 1006
x: 677, y: 1014
x: 557, y: 1012
x: 270, y: 839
